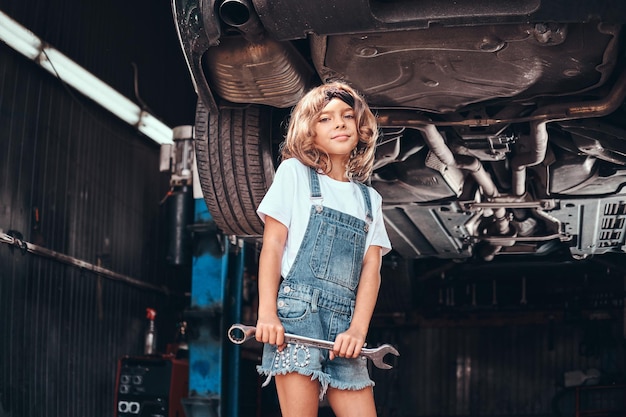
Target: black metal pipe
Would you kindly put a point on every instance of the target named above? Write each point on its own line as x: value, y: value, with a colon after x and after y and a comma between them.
x: 180, y: 212
x: 70, y: 260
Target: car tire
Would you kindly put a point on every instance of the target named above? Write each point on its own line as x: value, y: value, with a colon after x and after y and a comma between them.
x: 235, y: 167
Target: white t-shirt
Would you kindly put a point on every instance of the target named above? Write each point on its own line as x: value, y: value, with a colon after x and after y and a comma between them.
x: 289, y: 201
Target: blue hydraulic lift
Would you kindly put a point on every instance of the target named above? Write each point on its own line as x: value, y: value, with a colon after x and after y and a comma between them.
x: 216, y: 288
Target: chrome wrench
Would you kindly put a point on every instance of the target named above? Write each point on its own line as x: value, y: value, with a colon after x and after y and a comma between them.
x: 239, y: 333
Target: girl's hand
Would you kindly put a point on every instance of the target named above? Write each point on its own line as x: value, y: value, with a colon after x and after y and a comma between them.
x: 348, y: 345
x: 270, y: 330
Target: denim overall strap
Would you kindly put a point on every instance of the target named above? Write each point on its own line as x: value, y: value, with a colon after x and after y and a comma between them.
x: 368, y: 204
x: 316, y: 195
x: 316, y: 191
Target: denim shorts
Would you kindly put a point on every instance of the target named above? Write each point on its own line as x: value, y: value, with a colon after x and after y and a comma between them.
x: 314, y: 313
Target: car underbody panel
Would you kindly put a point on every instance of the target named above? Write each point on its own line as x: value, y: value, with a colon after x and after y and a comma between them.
x: 443, y: 70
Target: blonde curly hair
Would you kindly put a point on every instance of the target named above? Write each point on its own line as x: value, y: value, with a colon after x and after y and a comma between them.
x: 299, y: 141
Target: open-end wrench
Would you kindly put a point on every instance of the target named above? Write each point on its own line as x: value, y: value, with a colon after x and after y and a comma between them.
x: 239, y: 333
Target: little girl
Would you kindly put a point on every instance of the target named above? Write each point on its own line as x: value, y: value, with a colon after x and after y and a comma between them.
x: 319, y: 268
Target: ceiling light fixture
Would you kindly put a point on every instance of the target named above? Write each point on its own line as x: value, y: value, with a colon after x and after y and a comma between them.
x: 62, y: 67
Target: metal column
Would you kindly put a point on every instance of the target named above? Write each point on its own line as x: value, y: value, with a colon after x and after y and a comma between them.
x: 216, y: 282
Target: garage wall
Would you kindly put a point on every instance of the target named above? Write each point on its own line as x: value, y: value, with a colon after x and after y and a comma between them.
x: 513, y: 370
x: 497, y: 340
x: 75, y: 180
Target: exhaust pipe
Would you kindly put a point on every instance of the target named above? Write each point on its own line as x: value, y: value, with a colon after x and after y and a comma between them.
x: 501, y: 225
x: 560, y: 112
x: 535, y: 154
x: 241, y: 15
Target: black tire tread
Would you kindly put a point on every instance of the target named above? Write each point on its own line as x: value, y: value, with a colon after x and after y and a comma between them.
x: 230, y: 151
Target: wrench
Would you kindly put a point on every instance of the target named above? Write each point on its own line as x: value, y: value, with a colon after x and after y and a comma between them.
x: 239, y: 333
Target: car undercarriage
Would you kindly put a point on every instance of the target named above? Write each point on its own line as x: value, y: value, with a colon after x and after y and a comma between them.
x: 502, y: 122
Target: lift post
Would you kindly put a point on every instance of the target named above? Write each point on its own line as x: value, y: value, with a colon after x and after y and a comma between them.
x: 216, y: 288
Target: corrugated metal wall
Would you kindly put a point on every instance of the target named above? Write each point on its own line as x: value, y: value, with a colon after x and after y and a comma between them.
x: 513, y: 370
x: 498, y: 340
x: 76, y: 180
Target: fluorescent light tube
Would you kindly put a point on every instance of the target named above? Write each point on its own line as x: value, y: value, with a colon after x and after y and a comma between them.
x: 62, y: 67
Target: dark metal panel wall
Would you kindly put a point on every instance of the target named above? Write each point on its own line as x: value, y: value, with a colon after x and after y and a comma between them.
x: 76, y: 180
x: 512, y: 370
x: 497, y: 341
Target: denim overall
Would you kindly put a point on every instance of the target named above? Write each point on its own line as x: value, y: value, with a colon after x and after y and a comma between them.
x: 317, y: 297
